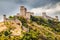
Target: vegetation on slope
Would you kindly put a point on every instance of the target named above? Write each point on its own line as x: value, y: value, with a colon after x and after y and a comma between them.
x: 39, y: 29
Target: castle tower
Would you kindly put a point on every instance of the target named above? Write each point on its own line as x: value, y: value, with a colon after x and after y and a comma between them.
x: 4, y: 17
x: 23, y: 11
x: 44, y: 13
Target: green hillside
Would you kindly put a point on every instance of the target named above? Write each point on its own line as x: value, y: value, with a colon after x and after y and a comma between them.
x: 37, y: 28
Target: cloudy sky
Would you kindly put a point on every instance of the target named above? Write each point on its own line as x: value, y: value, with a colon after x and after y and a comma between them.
x: 11, y: 7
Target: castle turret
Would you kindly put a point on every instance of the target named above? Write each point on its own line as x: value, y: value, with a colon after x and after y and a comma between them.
x: 23, y: 11
x: 4, y: 17
x: 44, y: 13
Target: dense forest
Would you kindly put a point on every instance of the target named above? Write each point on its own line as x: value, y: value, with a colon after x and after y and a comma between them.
x: 37, y: 27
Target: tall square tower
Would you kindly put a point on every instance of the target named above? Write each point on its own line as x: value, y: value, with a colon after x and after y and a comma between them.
x: 23, y: 11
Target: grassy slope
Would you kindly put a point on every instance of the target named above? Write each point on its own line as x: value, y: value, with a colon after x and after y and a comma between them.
x: 45, y: 32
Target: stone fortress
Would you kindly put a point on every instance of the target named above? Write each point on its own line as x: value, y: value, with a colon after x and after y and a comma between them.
x: 24, y: 13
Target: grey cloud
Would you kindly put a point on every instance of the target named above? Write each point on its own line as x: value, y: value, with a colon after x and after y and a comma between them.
x: 37, y: 3
x: 33, y: 3
x: 6, y: 7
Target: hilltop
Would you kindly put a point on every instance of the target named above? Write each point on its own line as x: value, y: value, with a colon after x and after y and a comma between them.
x: 37, y: 28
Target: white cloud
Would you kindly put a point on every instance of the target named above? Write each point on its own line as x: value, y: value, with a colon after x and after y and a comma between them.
x: 49, y: 9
